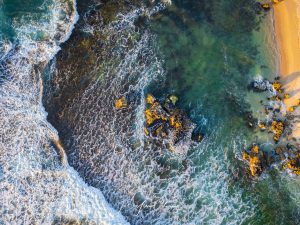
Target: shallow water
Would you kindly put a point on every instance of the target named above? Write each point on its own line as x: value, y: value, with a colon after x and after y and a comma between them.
x: 194, y: 50
x: 205, y: 52
x: 209, y: 63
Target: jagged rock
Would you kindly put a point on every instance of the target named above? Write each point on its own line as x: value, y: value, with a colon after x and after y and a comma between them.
x: 277, y: 128
x: 266, y: 6
x: 121, y: 103
x: 277, y: 86
x: 155, y: 113
x: 252, y: 155
x: 167, y: 122
x: 260, y: 85
x: 294, y: 164
x: 150, y: 99
x: 262, y: 126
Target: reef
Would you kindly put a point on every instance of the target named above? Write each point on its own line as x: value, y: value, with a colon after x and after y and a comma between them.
x: 164, y: 121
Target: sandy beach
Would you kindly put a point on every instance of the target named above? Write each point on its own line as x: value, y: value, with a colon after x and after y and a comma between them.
x: 287, y: 27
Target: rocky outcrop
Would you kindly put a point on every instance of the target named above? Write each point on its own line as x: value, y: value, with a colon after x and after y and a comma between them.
x: 164, y: 120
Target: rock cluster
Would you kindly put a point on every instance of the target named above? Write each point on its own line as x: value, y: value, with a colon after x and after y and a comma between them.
x: 277, y: 128
x: 288, y: 156
x: 260, y: 85
x: 294, y: 164
x: 165, y: 120
x: 276, y: 123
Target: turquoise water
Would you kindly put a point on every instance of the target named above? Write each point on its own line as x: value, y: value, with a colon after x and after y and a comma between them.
x: 209, y: 58
x: 17, y: 12
x: 212, y: 51
x: 206, y: 53
x: 31, y: 20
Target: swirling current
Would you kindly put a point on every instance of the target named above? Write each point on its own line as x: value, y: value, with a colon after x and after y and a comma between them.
x: 69, y: 157
x: 37, y: 184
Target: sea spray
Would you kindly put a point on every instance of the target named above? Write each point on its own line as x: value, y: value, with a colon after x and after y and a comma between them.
x: 141, y: 178
x: 36, y: 187
x: 138, y: 176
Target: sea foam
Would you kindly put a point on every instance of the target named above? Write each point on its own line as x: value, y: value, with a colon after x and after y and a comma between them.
x: 37, y: 186
x: 136, y: 174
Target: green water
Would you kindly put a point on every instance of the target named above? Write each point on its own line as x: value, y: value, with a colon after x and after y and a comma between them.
x: 209, y: 58
x: 212, y: 51
x: 17, y: 13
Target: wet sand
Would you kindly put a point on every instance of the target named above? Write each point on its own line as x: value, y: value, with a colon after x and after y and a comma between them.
x: 287, y: 27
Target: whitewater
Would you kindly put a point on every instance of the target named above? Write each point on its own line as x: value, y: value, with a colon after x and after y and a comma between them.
x: 67, y: 156
x: 115, y: 54
x: 36, y: 183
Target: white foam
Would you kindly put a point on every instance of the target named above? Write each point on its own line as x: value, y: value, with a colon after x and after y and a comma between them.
x: 103, y: 144
x: 35, y: 187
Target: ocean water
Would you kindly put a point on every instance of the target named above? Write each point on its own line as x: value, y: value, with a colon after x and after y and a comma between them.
x: 37, y: 184
x: 205, y: 52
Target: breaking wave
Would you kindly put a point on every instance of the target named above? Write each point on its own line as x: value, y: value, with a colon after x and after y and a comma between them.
x: 37, y: 184
x: 108, y: 148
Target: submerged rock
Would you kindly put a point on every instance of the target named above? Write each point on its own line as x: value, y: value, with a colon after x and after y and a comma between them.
x: 197, y: 136
x: 251, y: 121
x: 173, y: 99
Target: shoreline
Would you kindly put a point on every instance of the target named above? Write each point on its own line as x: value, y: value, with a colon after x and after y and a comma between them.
x: 287, y: 31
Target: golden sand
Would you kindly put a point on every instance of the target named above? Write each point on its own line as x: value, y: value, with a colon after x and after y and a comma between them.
x: 287, y: 27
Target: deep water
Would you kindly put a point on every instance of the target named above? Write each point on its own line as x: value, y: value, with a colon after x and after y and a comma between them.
x: 206, y: 53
